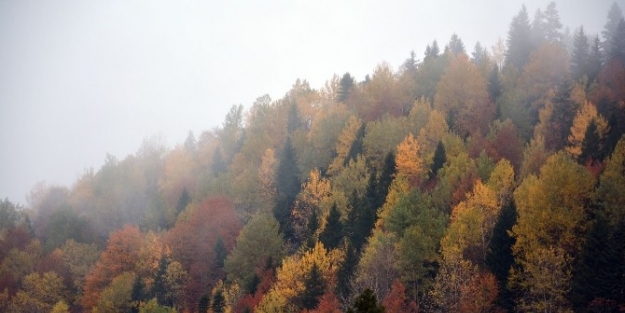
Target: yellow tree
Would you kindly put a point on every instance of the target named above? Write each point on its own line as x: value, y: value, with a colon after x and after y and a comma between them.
x: 407, y: 160
x: 462, y: 96
x: 314, y: 197
x: 344, y: 143
x: 292, y: 274
x: 267, y: 181
x: 586, y: 114
x: 551, y: 215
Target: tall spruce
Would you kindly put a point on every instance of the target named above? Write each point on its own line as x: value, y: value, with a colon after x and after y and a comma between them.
x: 499, y: 258
x: 287, y: 187
x: 314, y: 288
x: 345, y: 85
x: 580, y: 55
x: 332, y: 233
x: 357, y: 146
x: 614, y: 16
x: 439, y: 159
x: 519, y: 40
x: 346, y: 271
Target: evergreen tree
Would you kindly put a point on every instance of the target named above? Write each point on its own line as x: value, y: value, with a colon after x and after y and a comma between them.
x: 346, y: 271
x: 137, y: 293
x: 183, y: 201
x: 385, y: 180
x: 591, y: 146
x: 479, y: 54
x: 552, y: 24
x: 594, y: 60
x: 204, y: 304
x: 618, y: 42
x: 561, y: 120
x: 312, y: 226
x: 332, y: 234
x: 456, y: 46
x: 519, y: 40
x: 288, y: 186
x: 367, y: 303
x: 218, y: 164
x: 579, y: 57
x: 294, y: 121
x: 439, y: 159
x: 614, y: 16
x: 346, y: 83
x: 357, y: 146
x: 219, y: 302
x: 314, y: 288
x: 538, y: 28
x: 221, y: 253
x: 499, y: 258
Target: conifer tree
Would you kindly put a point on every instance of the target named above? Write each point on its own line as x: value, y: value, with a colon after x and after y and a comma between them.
x: 288, y: 186
x: 580, y: 56
x: 314, y: 288
x: 519, y: 40
x: 345, y: 85
x: 333, y: 232
x: 219, y: 302
x: 614, y: 16
x: 204, y: 304
x: 367, y: 302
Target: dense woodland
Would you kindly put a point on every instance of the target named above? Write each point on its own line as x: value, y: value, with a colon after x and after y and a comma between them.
x: 483, y: 181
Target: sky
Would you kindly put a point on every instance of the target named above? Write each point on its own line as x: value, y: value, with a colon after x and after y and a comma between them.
x: 80, y: 79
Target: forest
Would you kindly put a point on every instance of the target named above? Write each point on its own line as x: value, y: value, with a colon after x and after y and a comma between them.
x: 482, y: 181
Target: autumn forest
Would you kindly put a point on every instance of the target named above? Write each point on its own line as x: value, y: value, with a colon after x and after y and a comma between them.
x: 490, y: 180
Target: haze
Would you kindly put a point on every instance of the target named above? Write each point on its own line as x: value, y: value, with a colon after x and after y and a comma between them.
x: 80, y: 79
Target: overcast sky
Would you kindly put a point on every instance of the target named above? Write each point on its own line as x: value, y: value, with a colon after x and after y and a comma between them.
x: 79, y: 79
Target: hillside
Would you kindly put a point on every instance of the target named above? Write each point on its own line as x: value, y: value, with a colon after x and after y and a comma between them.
x: 483, y: 181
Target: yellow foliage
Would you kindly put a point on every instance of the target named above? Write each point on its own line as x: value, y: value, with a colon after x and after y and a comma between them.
x: 585, y: 115
x: 407, y: 160
x: 344, y: 143
x: 399, y: 187
x: 292, y: 274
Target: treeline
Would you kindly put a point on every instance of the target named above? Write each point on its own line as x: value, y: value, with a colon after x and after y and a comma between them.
x: 486, y: 183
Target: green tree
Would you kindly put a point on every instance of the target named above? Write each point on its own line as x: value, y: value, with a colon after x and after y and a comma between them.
x: 218, y: 304
x: 259, y: 242
x: 117, y: 296
x: 347, y: 81
x: 580, y: 55
x: 183, y: 201
x: 332, y: 233
x: 314, y: 288
x: 288, y: 186
x: 456, y: 46
x: 519, y: 40
x: 614, y: 16
x: 367, y: 303
x: 204, y: 304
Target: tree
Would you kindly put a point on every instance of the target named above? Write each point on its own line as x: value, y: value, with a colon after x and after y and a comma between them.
x: 580, y: 56
x: 614, y: 16
x: 462, y: 96
x: 117, y: 296
x: 219, y: 302
x: 333, y: 230
x: 586, y: 116
x: 551, y: 214
x: 39, y: 293
x: 204, y: 304
x: 396, y: 301
x: 407, y: 160
x: 519, y: 40
x: 258, y: 242
x: 344, y: 144
x: 618, y: 42
x: 183, y: 201
x: 455, y: 45
x: 287, y: 187
x: 347, y: 81
x: 367, y: 302
x: 552, y: 24
x: 314, y: 288
x: 595, y: 60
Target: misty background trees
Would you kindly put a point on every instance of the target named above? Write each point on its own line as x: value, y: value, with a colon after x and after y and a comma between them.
x: 488, y: 181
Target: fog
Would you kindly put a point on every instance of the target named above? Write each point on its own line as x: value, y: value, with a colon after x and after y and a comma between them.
x: 80, y: 79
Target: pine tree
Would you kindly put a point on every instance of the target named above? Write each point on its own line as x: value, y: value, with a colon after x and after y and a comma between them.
x: 439, y: 159
x: 618, y: 42
x: 385, y: 180
x: 591, y: 145
x: 579, y: 57
x: 552, y: 24
x: 346, y: 271
x: 183, y: 201
x: 218, y: 165
x: 345, y: 85
x: 456, y: 46
x: 357, y: 146
x: 519, y: 40
x: 219, y: 302
x: 312, y: 226
x: 221, y: 253
x: 314, y: 288
x: 293, y: 121
x: 499, y: 258
x: 288, y: 186
x: 204, y: 304
x: 479, y: 54
x: 614, y: 16
x: 333, y: 232
x: 159, y: 289
x: 367, y: 302
x: 594, y: 60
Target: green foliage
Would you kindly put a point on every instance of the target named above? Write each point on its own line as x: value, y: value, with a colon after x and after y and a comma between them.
x: 219, y: 302
x: 314, y: 288
x: 204, y: 303
x: 367, y: 303
x: 288, y: 186
x: 259, y: 241
x: 519, y: 40
x: 332, y: 233
x: 152, y: 306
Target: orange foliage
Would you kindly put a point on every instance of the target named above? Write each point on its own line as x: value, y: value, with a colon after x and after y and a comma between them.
x: 193, y: 241
x: 479, y: 294
x: 250, y: 301
x: 396, y: 300
x: 121, y: 254
x: 329, y: 303
x: 408, y: 162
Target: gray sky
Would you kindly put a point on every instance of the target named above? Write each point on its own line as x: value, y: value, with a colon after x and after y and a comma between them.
x: 79, y: 79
